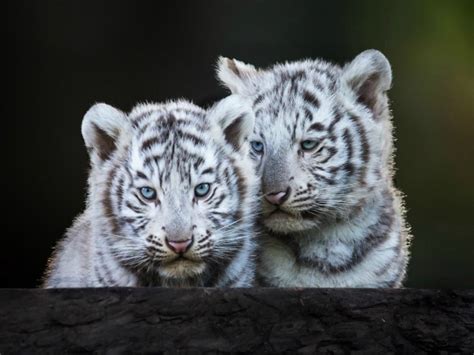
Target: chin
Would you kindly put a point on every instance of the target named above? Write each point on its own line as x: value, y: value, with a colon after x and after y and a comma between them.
x: 282, y: 222
x: 181, y: 269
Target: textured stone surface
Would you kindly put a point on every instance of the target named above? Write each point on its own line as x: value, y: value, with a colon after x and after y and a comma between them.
x: 122, y: 320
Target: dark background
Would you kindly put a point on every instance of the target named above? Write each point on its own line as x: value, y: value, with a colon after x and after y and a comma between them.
x: 61, y: 57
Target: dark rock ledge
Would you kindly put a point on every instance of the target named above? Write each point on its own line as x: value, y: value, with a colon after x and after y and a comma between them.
x: 124, y: 320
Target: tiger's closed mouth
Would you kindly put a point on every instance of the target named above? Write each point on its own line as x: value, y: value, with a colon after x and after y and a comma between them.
x: 302, y: 215
x: 183, y: 258
x: 277, y: 211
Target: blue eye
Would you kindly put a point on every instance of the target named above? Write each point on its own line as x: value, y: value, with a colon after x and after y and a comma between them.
x: 257, y: 146
x: 202, y: 190
x: 308, y: 144
x: 148, y: 193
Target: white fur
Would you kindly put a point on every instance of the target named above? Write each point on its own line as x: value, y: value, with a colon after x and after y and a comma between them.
x: 354, y: 209
x: 94, y: 254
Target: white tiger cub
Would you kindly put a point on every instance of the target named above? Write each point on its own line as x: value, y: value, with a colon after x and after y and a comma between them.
x: 323, y: 142
x: 171, y: 202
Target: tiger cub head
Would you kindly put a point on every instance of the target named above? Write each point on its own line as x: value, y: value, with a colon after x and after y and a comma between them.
x: 171, y: 186
x: 322, y: 137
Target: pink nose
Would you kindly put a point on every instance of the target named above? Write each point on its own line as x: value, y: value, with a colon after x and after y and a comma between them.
x: 277, y: 198
x: 179, y: 246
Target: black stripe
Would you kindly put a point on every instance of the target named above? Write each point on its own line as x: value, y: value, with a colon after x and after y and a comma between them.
x: 301, y: 199
x: 295, y: 126
x: 308, y: 115
x: 337, y: 118
x: 212, y: 194
x: 377, y: 234
x: 189, y: 136
x: 141, y: 225
x: 206, y: 237
x: 298, y: 75
x: 222, y: 214
x: 348, y: 141
x: 317, y: 127
x: 119, y: 191
x: 326, y: 72
x: 141, y: 175
x: 215, y: 221
x: 219, y: 201
x: 365, y: 150
x: 208, y: 171
x: 148, y: 143
x: 136, y: 120
x: 332, y: 151
x: 198, y: 162
x: 363, y: 138
x: 129, y: 220
x: 133, y: 208
x: 148, y: 160
x: 144, y: 128
x: 323, y: 178
x: 311, y: 99
x: 259, y: 99
x: 227, y: 179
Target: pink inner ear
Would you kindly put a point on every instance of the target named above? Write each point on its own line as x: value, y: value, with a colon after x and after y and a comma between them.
x: 105, y: 143
x: 233, y: 132
x: 368, y: 91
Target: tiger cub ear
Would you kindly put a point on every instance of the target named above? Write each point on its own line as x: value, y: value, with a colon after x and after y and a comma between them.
x: 101, y: 128
x: 369, y: 76
x: 233, y: 118
x: 236, y: 75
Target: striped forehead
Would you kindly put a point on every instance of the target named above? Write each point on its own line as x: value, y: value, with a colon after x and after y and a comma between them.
x: 296, y: 100
x: 163, y: 116
x: 172, y: 143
